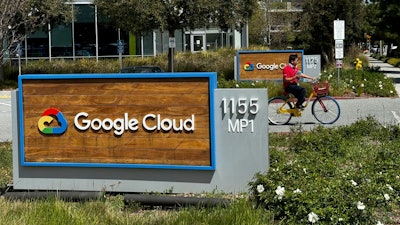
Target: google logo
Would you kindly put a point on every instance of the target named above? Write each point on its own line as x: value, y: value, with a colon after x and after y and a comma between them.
x: 248, y: 66
x: 48, y: 117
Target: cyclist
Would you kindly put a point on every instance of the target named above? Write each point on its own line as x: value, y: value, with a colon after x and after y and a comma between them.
x: 291, y: 76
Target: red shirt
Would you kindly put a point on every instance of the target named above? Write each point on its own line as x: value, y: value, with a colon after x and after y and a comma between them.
x: 288, y: 72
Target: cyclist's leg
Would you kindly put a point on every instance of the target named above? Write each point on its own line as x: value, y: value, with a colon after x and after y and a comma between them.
x: 298, y: 92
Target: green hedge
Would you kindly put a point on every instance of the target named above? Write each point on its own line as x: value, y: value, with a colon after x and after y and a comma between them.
x: 351, y: 83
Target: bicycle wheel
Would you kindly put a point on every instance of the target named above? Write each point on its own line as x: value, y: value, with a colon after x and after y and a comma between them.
x: 325, y: 109
x: 276, y: 117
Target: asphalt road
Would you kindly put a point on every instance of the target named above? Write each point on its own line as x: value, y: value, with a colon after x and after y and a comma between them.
x: 5, y: 116
x: 385, y: 110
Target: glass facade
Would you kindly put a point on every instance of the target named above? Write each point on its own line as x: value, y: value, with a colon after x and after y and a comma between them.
x: 90, y: 35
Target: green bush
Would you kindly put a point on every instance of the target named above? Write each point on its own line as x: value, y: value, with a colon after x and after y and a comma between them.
x: 344, y: 175
x: 366, y: 82
x: 394, y: 62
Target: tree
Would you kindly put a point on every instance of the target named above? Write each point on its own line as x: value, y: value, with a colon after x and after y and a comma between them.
x: 258, y: 26
x: 139, y: 16
x: 317, y: 25
x: 22, y: 17
x: 388, y: 15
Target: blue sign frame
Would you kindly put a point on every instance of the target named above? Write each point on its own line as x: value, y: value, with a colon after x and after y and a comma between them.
x: 212, y: 77
x: 264, y: 51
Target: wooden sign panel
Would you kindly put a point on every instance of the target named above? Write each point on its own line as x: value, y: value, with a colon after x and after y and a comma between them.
x: 117, y: 120
x: 264, y: 65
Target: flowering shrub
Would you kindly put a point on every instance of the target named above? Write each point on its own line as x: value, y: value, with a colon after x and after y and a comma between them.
x: 359, y: 82
x: 337, y: 175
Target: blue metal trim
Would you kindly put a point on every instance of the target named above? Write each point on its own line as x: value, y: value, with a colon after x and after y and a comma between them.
x: 212, y: 76
x: 262, y: 51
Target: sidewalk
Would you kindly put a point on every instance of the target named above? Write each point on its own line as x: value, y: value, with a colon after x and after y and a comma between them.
x: 389, y: 70
x: 5, y: 94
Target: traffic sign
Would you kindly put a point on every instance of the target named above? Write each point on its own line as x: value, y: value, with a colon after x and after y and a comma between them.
x: 339, y: 49
x: 338, y: 30
x: 120, y: 46
x: 172, y: 43
x: 339, y: 63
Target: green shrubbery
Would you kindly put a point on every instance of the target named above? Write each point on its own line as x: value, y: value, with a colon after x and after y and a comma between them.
x: 366, y: 82
x: 345, y: 175
x: 394, y: 62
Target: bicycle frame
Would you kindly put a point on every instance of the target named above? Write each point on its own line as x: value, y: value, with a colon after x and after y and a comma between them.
x: 295, y: 111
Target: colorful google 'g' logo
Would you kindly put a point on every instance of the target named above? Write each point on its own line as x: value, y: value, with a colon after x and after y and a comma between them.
x: 48, y: 117
x: 248, y: 66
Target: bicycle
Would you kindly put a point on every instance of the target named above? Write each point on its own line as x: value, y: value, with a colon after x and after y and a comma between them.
x: 325, y: 108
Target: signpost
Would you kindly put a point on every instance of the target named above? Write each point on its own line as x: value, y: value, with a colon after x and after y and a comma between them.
x: 19, y: 53
x: 339, y: 36
x: 120, y: 49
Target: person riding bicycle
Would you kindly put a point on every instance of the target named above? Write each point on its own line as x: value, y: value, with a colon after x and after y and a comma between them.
x: 291, y: 76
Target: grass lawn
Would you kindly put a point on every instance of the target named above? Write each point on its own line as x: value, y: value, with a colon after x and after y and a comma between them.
x: 342, y: 175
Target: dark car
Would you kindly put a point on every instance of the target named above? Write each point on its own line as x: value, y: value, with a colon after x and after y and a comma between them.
x: 142, y: 69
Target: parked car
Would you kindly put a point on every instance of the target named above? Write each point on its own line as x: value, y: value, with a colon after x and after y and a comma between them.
x: 82, y: 53
x: 142, y: 69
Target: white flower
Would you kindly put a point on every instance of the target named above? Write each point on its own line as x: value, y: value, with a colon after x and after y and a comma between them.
x: 237, y: 85
x: 304, y: 170
x: 351, y: 81
x: 362, y: 85
x: 387, y: 197
x: 360, y: 205
x: 280, y: 191
x: 389, y: 187
x: 9, y: 27
x: 253, y: 84
x: 379, y: 223
x: 354, y: 183
x: 340, y: 219
x: 260, y: 188
x: 391, y: 92
x: 380, y: 82
x: 297, y: 191
x: 353, y: 87
x: 312, y: 217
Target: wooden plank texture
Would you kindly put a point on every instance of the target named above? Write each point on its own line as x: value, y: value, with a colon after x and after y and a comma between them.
x: 176, y: 99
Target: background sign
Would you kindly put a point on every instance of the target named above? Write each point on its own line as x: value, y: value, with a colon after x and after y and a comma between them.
x: 338, y: 30
x: 312, y: 65
x: 171, y: 42
x: 120, y: 46
x: 264, y: 65
x: 339, y: 49
x: 339, y: 63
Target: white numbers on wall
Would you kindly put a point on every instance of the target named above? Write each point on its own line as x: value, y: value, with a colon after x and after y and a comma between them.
x: 240, y: 107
